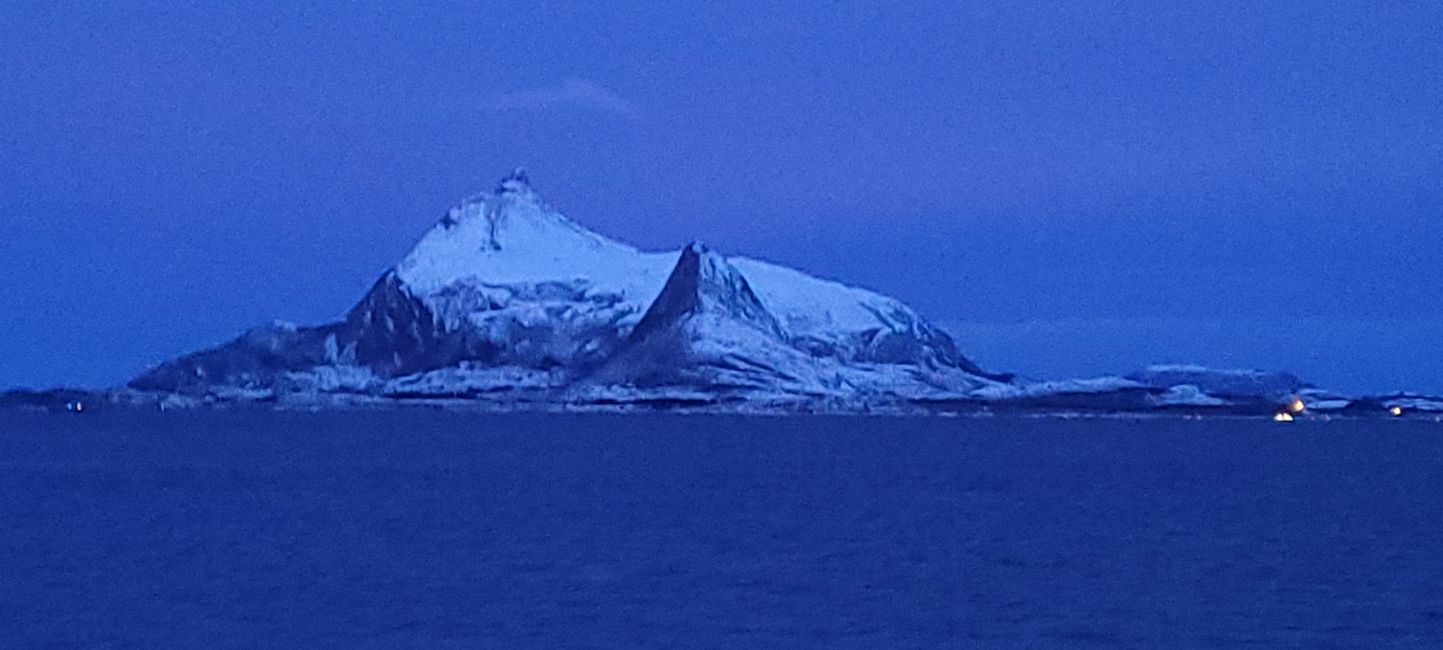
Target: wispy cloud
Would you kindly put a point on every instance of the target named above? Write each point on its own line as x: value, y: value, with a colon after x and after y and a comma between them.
x: 572, y: 93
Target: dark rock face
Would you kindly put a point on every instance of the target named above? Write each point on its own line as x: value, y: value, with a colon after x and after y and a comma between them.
x: 705, y: 298
x: 392, y: 332
x: 700, y: 282
x: 252, y: 361
x: 919, y: 345
x: 389, y: 332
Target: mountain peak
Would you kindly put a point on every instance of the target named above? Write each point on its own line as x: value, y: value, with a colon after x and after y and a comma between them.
x: 510, y: 234
x: 516, y: 182
x: 704, y: 282
x: 512, y: 192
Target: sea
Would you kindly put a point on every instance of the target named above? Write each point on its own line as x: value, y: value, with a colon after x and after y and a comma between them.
x: 436, y: 529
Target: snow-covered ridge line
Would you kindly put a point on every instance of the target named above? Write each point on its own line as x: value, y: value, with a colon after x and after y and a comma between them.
x: 505, y: 295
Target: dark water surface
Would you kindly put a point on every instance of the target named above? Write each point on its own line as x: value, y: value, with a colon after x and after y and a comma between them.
x: 429, y: 529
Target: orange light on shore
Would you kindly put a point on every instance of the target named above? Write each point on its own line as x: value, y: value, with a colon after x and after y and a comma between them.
x: 1395, y: 411
x: 1297, y: 406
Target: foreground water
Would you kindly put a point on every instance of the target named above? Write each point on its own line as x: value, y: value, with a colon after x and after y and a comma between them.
x: 428, y: 529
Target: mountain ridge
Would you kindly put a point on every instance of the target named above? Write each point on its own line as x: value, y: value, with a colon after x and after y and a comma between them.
x: 504, y: 286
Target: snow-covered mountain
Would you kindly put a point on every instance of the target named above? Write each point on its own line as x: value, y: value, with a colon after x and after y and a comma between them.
x: 507, y: 299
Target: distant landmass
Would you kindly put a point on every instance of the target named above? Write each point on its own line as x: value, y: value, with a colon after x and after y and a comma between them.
x: 507, y: 304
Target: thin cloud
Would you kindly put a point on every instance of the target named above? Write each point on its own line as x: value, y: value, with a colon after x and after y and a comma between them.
x: 572, y: 93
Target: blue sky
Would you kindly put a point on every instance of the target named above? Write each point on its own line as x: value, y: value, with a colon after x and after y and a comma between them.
x: 1076, y: 188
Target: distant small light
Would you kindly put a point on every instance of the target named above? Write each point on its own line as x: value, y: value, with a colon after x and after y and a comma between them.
x: 1297, y: 405
x: 1283, y: 416
x: 75, y: 407
x: 1396, y: 411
